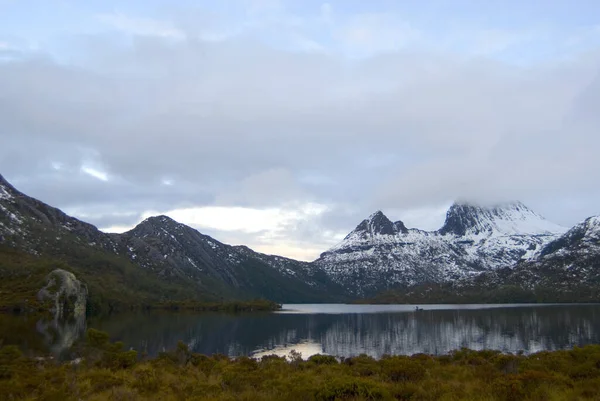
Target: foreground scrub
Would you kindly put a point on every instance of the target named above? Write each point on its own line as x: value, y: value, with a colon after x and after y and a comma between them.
x: 107, y: 372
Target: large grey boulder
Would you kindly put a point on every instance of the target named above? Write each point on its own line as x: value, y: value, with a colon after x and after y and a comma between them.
x: 67, y: 294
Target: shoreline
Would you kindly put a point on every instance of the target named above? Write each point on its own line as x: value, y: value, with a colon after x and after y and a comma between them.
x: 105, y: 371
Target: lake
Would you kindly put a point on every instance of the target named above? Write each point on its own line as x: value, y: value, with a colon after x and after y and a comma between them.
x: 340, y: 330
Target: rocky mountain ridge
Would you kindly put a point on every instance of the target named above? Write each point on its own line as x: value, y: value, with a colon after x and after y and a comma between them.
x: 379, y: 254
x: 483, y: 247
x: 564, y: 263
x: 165, y: 248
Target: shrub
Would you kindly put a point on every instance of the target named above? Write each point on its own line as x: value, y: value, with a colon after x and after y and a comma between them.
x: 588, y: 370
x: 103, y: 379
x: 508, y: 364
x: 9, y: 356
x: 204, y: 363
x: 146, y: 380
x: 405, y: 391
x: 97, y: 339
x: 323, y: 359
x: 241, y: 373
x: 400, y: 369
x: 363, y: 365
x: 509, y: 388
x: 345, y: 388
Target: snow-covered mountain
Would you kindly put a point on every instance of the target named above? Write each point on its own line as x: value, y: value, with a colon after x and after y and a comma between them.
x: 500, y: 235
x: 583, y: 240
x: 380, y: 254
x: 478, y: 250
x: 565, y: 264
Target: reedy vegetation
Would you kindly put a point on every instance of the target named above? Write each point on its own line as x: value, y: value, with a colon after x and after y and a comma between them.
x: 107, y: 372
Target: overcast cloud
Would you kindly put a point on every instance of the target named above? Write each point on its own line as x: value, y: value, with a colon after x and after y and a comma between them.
x: 281, y: 128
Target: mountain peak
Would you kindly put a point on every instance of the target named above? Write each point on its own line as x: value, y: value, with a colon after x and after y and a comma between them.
x: 512, y: 205
x: 160, y: 219
x: 376, y: 215
x: 509, y: 218
x: 160, y: 222
x: 377, y: 224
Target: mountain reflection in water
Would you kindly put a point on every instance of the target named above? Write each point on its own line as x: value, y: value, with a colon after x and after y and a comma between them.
x: 354, y: 330
x: 340, y: 330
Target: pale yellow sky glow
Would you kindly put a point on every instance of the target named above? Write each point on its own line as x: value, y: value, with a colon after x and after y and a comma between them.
x: 267, y: 226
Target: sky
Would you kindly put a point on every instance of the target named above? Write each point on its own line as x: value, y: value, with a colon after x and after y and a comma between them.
x: 281, y: 124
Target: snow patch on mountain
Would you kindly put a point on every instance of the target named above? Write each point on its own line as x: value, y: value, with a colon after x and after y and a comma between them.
x: 5, y: 189
x: 4, y: 194
x: 591, y: 228
x: 582, y: 238
x: 464, y: 219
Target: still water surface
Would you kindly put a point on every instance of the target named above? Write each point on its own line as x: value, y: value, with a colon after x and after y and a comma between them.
x: 347, y: 330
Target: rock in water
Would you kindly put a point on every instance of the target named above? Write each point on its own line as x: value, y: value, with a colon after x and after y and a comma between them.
x: 68, y: 295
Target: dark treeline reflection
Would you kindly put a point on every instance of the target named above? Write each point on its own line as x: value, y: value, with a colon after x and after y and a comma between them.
x: 529, y: 329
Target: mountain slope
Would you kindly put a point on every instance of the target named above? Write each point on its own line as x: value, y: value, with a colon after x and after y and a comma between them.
x: 187, y: 252
x: 32, y: 224
x: 500, y: 235
x: 570, y: 262
x: 513, y: 218
x: 177, y: 261
x: 567, y: 269
x: 379, y: 254
x: 59, y: 240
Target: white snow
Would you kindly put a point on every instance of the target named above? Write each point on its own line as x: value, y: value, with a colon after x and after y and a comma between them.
x: 500, y: 237
x: 11, y: 215
x: 131, y: 251
x: 592, y: 232
x: 524, y: 221
x: 4, y: 194
x: 6, y: 229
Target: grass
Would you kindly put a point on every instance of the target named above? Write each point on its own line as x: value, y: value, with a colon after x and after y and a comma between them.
x: 107, y: 372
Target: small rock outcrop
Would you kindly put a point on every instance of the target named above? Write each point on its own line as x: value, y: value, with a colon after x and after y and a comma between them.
x: 67, y: 295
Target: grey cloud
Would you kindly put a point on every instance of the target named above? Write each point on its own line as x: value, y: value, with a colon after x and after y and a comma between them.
x: 78, y: 192
x: 238, y: 123
x: 270, y: 188
x: 105, y: 220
